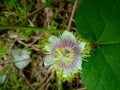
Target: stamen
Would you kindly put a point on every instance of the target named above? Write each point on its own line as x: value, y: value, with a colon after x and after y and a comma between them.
x: 64, y: 43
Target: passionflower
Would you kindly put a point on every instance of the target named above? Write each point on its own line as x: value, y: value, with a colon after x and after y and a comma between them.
x: 64, y: 54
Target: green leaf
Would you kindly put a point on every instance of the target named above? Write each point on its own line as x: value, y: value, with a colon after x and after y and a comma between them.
x: 98, y: 21
x: 102, y: 71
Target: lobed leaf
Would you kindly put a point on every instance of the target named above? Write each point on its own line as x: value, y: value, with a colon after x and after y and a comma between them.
x: 98, y: 21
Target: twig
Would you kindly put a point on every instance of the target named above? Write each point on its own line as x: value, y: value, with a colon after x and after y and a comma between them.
x: 27, y: 45
x: 34, y: 12
x: 84, y: 88
x: 49, y: 14
x: 8, y: 77
x: 31, y: 14
x: 22, y: 74
x: 47, y: 86
x: 47, y: 81
x: 72, y: 15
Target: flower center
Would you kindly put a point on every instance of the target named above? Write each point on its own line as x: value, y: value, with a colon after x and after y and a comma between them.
x: 66, y: 53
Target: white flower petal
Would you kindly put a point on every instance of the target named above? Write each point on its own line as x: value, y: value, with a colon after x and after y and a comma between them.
x: 68, y: 35
x: 21, y: 58
x: 53, y: 39
x: 79, y: 63
x: 82, y: 46
x: 48, y: 60
x: 75, y: 69
x: 48, y: 47
x: 21, y: 64
x: 66, y: 73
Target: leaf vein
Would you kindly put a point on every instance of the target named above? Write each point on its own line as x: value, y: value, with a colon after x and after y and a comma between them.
x: 109, y: 64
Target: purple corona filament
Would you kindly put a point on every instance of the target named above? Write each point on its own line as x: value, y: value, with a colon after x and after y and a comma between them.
x: 63, y: 43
